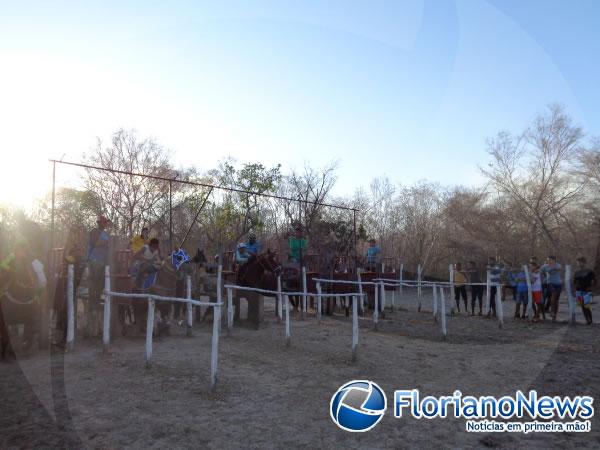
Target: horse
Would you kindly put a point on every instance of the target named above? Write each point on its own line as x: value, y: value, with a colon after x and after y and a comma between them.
x: 260, y: 271
x: 168, y: 281
x: 19, y: 303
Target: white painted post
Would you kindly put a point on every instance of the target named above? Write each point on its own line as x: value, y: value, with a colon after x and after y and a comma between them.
x: 149, y: 330
x: 319, y: 302
x: 382, y: 286
x: 360, y: 289
x: 488, y: 291
x: 376, y: 311
x: 229, y: 309
x: 435, y: 302
x: 529, y: 293
x: 219, y: 286
x: 419, y: 286
x: 443, y: 312
x: 70, y: 308
x: 279, y: 299
x: 303, y: 293
x: 190, y: 315
x: 451, y: 275
x: 286, y: 300
x: 401, y: 280
x: 572, y: 308
x: 499, y: 308
x: 214, y: 355
x: 354, y: 326
x: 106, y: 328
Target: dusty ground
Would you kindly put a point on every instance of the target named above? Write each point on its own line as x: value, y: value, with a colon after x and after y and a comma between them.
x: 270, y: 396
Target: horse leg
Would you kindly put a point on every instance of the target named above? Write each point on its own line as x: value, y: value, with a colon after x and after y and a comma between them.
x: 255, y: 309
x: 6, y: 349
x: 236, y: 309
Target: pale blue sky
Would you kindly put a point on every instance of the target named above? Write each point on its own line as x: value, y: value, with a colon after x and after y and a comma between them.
x: 407, y: 89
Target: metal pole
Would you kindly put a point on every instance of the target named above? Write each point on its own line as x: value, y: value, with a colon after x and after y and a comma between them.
x: 170, y: 216
x: 355, y: 238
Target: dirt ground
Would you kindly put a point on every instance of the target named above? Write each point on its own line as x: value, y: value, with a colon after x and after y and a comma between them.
x: 272, y: 396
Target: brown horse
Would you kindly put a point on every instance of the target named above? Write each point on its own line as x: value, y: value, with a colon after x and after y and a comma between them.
x: 259, y: 272
x: 18, y: 303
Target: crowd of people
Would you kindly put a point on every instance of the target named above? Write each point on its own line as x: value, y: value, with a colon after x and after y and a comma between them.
x: 544, y: 281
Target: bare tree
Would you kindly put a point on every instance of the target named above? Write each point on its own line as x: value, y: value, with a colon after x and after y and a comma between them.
x: 131, y: 201
x: 532, y: 168
x: 588, y: 172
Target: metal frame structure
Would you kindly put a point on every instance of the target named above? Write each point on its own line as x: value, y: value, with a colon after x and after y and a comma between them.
x: 211, y: 187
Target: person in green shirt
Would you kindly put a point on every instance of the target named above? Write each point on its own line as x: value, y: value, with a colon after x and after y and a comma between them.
x: 297, y: 245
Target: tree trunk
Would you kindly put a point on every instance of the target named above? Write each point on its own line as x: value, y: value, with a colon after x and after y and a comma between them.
x: 597, y: 255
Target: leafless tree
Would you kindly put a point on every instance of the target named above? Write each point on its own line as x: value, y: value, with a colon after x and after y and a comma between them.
x: 130, y: 201
x: 532, y: 168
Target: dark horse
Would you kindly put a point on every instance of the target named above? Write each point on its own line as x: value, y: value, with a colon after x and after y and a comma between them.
x: 18, y: 302
x: 260, y: 271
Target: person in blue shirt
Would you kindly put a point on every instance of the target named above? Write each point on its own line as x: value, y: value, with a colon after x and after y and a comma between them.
x: 241, y: 254
x: 551, y: 271
x: 522, y: 293
x: 253, y: 247
x: 372, y: 259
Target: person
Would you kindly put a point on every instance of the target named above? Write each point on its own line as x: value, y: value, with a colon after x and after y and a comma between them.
x: 522, y: 293
x: 510, y: 281
x: 552, y: 272
x: 253, y: 246
x: 460, y: 290
x: 137, y: 242
x: 496, y: 271
x: 536, y: 291
x: 546, y: 294
x: 150, y: 262
x: 474, y: 277
x: 97, y: 257
x: 241, y: 254
x: 73, y: 255
x: 584, y: 278
x: 372, y: 257
x: 297, y: 245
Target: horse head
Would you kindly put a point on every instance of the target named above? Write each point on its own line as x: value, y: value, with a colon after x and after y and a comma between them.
x: 200, y: 258
x: 268, y: 261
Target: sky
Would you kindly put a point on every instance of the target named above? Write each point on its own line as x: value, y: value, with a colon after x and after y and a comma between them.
x: 404, y: 89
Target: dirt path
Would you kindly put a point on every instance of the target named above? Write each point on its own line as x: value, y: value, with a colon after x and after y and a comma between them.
x: 270, y: 396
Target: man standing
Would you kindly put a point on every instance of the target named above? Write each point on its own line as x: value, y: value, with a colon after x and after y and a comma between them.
x: 474, y: 277
x: 495, y: 270
x: 584, y: 279
x: 460, y: 290
x: 97, y: 256
x: 552, y: 271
